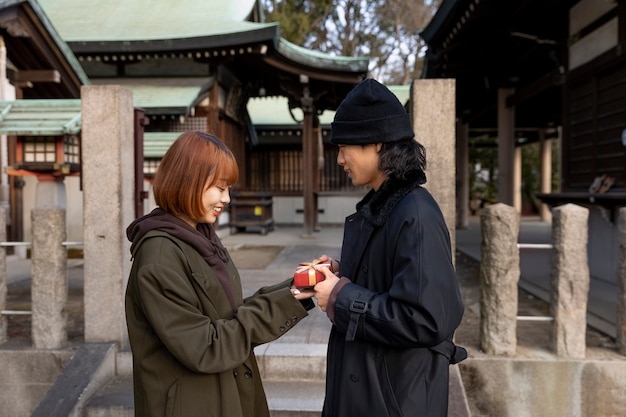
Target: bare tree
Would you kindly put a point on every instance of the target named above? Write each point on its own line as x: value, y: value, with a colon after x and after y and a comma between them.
x: 387, y: 31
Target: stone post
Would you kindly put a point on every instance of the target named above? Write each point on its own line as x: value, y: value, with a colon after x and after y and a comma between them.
x: 108, y: 208
x: 49, y: 278
x: 434, y: 121
x: 569, y: 287
x: 621, y: 283
x: 499, y: 277
x: 3, y: 275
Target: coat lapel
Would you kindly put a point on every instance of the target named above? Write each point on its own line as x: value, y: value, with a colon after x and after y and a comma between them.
x: 353, y: 249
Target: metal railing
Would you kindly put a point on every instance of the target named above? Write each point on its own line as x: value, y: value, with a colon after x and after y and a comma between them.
x: 27, y: 244
x: 535, y: 246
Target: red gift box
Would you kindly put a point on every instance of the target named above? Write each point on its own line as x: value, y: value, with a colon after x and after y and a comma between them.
x: 306, y: 275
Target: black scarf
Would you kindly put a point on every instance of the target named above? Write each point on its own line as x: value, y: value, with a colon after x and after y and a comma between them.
x: 203, y: 239
x: 376, y: 206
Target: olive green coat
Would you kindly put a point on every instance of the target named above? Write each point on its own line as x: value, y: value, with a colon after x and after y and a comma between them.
x: 192, y: 356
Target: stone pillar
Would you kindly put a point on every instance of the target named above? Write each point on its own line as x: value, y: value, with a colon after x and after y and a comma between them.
x: 462, y: 176
x: 506, y: 149
x: 569, y: 280
x: 108, y: 208
x: 3, y: 275
x: 621, y: 283
x: 49, y: 278
x: 434, y: 120
x: 499, y: 277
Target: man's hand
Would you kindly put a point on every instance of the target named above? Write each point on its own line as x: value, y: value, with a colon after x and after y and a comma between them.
x: 324, y: 288
x: 334, y: 265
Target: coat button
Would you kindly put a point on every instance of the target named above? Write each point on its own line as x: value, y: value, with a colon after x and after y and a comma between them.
x: 294, y: 319
x: 288, y: 323
x: 281, y: 328
x: 247, y: 375
x: 354, y: 377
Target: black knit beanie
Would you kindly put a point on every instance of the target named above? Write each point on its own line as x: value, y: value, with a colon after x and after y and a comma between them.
x: 370, y: 113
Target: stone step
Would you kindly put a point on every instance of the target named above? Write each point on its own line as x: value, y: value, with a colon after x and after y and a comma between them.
x: 277, y: 361
x: 114, y: 400
x: 284, y: 398
x: 292, y: 361
x: 293, y: 376
x: 294, y: 398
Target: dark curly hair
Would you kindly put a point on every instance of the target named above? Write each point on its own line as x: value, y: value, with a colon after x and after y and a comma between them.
x: 403, y: 160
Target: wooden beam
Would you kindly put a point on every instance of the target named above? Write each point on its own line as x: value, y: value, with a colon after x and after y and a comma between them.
x: 37, y: 76
x: 549, y: 80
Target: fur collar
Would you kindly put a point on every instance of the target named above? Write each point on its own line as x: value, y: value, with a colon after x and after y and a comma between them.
x: 377, y: 205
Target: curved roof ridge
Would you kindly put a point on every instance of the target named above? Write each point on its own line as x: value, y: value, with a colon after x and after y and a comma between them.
x: 116, y: 20
x: 319, y: 59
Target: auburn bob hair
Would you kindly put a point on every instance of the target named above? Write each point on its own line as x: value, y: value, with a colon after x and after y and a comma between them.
x: 194, y: 162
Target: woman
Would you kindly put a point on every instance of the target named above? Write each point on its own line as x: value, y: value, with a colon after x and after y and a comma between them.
x: 191, y: 333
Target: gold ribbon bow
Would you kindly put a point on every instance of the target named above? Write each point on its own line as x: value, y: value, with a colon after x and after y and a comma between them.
x: 310, y: 266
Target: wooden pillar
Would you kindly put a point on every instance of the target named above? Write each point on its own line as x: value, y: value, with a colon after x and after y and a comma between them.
x: 462, y: 176
x: 4, y: 290
x: 620, y: 322
x: 506, y: 149
x: 212, y: 118
x: 546, y: 174
x: 517, y: 177
x: 318, y: 163
x: 309, y: 164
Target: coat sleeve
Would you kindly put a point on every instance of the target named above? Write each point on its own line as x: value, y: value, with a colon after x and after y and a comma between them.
x: 422, y: 306
x: 207, y: 342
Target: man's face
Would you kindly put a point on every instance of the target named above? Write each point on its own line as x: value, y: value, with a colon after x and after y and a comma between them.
x: 361, y: 164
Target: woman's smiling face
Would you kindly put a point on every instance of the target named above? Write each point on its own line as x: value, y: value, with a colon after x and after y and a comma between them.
x: 214, y: 200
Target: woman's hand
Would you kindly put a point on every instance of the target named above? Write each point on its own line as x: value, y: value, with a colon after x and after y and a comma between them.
x: 324, y: 288
x: 302, y: 293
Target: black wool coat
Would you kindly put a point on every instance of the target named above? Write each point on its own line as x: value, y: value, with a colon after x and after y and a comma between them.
x: 391, y: 342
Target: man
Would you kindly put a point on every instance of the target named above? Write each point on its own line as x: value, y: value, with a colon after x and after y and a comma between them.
x: 393, y: 298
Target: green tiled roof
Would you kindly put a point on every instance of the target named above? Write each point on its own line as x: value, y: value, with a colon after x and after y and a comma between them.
x: 403, y: 92
x: 155, y: 144
x: 40, y: 117
x: 275, y: 110
x: 168, y: 95
x: 117, y: 20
